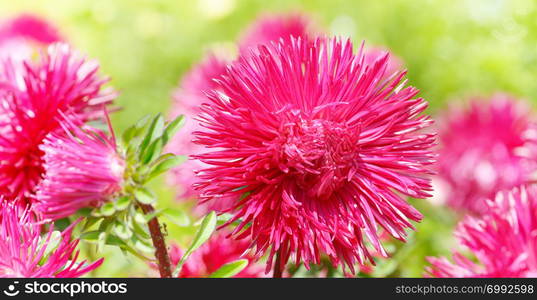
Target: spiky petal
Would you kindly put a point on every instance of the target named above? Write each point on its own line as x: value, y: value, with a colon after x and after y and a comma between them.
x: 314, y: 150
x: 32, y: 100
x: 503, y: 240
x: 487, y: 147
x: 25, y: 253
x: 82, y: 169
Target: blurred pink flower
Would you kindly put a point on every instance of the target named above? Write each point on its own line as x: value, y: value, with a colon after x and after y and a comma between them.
x: 218, y: 251
x: 309, y: 147
x: 32, y: 99
x: 20, y: 35
x: 187, y: 100
x: 24, y: 253
x: 81, y: 169
x: 503, y: 240
x: 485, y: 148
x: 273, y: 27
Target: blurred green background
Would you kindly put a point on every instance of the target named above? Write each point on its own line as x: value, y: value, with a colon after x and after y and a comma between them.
x: 453, y: 49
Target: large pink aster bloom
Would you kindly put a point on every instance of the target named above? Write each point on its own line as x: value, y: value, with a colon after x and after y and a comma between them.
x: 33, y: 97
x: 82, y: 169
x: 487, y: 147
x: 273, y: 27
x: 218, y: 251
x: 504, y: 240
x: 20, y: 35
x: 24, y: 253
x: 314, y: 150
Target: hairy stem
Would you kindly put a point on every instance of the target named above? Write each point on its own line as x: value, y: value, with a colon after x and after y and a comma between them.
x: 161, y: 252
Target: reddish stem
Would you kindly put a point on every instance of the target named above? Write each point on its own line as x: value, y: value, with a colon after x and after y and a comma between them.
x: 277, y: 273
x: 161, y: 251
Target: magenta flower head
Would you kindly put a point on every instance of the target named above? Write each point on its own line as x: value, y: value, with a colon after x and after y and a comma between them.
x: 33, y: 97
x: 25, y: 253
x: 503, y: 240
x: 272, y: 28
x: 315, y: 151
x: 487, y: 147
x: 20, y: 35
x: 210, y: 257
x: 30, y: 27
x: 82, y: 169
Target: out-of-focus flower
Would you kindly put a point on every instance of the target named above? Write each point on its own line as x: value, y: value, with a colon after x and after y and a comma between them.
x: 218, y: 251
x: 487, y: 147
x: 82, y: 168
x: 273, y: 27
x: 32, y: 100
x: 25, y: 253
x: 187, y: 101
x: 19, y: 36
x: 314, y: 152
x: 504, y: 239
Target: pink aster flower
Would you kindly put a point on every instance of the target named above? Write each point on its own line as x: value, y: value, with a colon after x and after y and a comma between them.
x: 33, y: 97
x: 24, y: 253
x: 273, y: 27
x: 503, y: 240
x: 218, y: 251
x: 315, y: 150
x: 487, y: 147
x: 82, y: 168
x: 20, y: 35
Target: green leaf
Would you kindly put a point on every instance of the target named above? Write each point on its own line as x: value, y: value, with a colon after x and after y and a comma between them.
x: 165, y: 165
x: 155, y: 131
x: 90, y: 221
x: 90, y: 236
x: 144, y: 196
x: 107, y: 209
x: 122, y: 203
x: 230, y: 269
x: 153, y: 151
x: 172, y: 128
x: 140, y: 230
x: 135, y: 130
x: 176, y: 216
x: 207, y: 227
x: 122, y: 231
x: 143, y: 246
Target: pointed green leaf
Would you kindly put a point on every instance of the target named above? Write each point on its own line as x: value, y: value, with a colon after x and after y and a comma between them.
x: 207, y: 227
x: 135, y: 130
x: 155, y: 131
x: 230, y: 269
x: 153, y: 151
x: 172, y: 128
x: 166, y: 165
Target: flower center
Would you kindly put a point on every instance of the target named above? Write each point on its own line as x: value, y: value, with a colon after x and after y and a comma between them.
x: 320, y: 154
